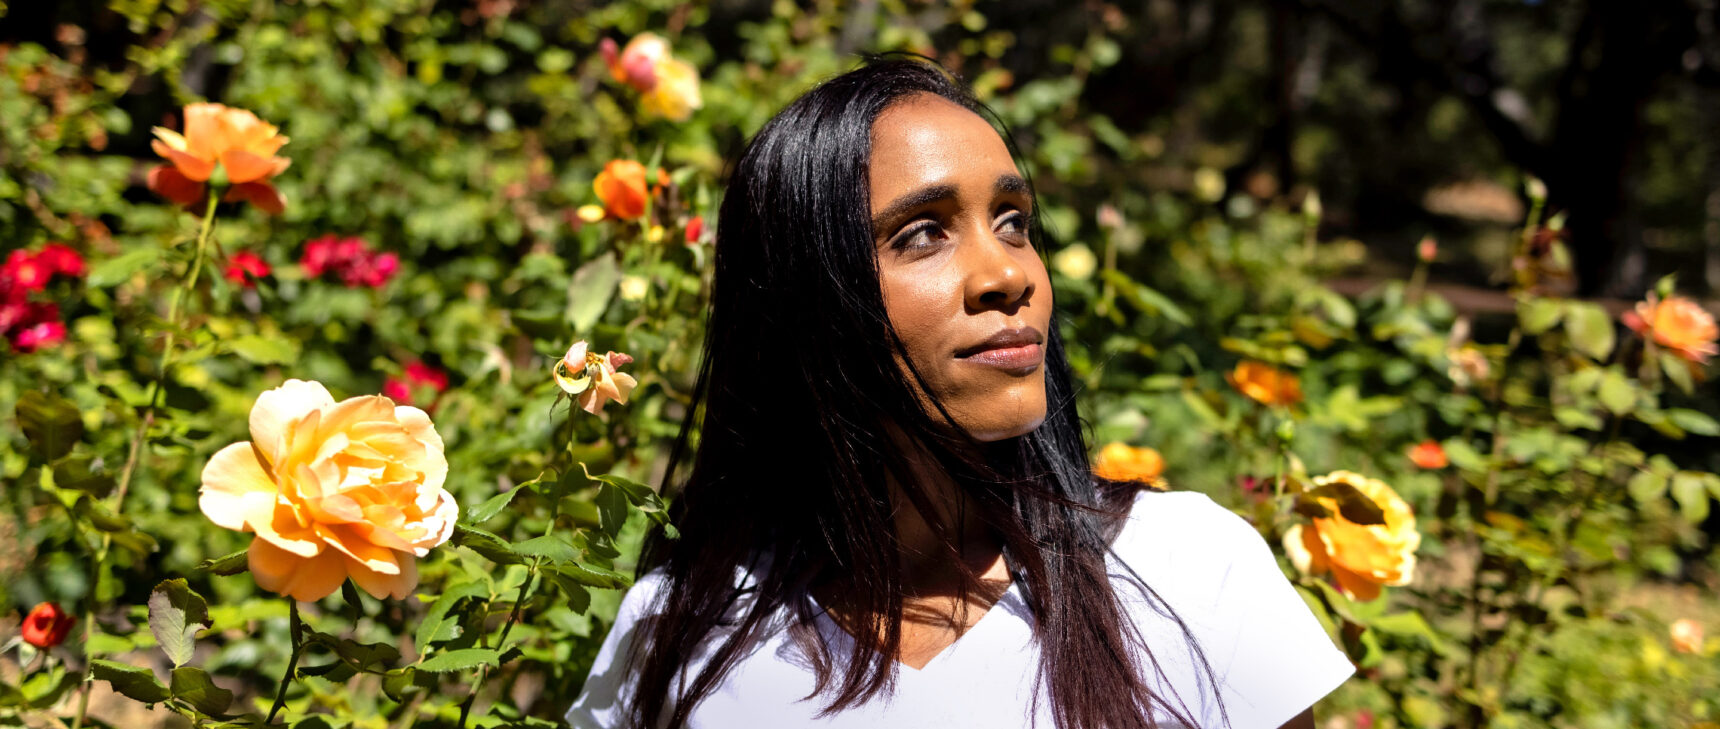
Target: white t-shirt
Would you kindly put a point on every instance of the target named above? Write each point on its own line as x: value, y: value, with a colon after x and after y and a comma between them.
x: 1270, y: 656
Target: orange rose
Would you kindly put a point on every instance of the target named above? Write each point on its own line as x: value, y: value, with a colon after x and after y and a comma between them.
x: 592, y: 378
x: 1265, y: 384
x: 1428, y: 454
x: 1121, y: 462
x: 621, y: 187
x: 1361, y: 558
x: 233, y: 139
x: 1686, y: 636
x: 333, y: 490
x: 1676, y: 323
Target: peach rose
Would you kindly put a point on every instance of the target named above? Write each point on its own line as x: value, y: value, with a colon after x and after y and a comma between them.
x: 592, y: 378
x: 1676, y: 323
x: 1686, y: 636
x: 220, y: 136
x: 1361, y: 558
x: 333, y: 490
x: 1265, y: 384
x: 1121, y: 462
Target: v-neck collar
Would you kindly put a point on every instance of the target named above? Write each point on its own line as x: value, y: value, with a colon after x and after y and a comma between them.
x: 835, y: 635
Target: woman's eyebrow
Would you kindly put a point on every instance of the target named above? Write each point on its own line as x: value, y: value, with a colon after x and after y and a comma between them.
x: 902, y: 206
x: 1011, y: 185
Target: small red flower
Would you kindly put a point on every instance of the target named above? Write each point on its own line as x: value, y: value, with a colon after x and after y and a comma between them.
x: 695, y: 228
x: 61, y: 259
x: 44, y: 334
x: 418, y: 376
x: 350, y: 259
x: 26, y: 271
x: 1428, y: 454
x: 47, y: 625
x: 246, y: 267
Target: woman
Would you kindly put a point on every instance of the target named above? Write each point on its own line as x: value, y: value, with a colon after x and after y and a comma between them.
x: 890, y: 520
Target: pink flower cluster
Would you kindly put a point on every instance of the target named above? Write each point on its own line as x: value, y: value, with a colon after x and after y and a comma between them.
x: 30, y: 325
x: 350, y: 259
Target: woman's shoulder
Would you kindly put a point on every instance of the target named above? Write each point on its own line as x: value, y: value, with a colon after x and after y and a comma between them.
x: 1189, y: 548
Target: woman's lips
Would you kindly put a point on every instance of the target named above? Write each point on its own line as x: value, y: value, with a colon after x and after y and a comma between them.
x: 1021, y: 359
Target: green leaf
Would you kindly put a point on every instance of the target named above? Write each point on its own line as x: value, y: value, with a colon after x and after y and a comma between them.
x: 1646, y: 486
x: 51, y: 423
x: 459, y: 660
x: 611, y: 509
x: 1690, y: 490
x: 1617, y: 393
x: 134, y: 682
x: 578, y: 598
x: 493, y: 506
x: 437, y: 624
x: 1411, y: 625
x: 258, y: 349
x: 1591, y: 330
x: 399, y: 683
x: 99, y: 516
x: 175, y: 614
x: 552, y: 547
x: 1354, y: 505
x: 1538, y: 315
x: 593, y: 576
x: 1146, y: 298
x: 116, y: 270
x: 231, y: 564
x: 192, y: 685
x: 76, y: 473
x: 590, y: 290
x: 1693, y: 421
x: 492, y: 547
x: 1677, y: 370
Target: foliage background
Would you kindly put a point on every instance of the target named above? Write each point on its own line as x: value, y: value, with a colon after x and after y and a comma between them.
x: 464, y: 135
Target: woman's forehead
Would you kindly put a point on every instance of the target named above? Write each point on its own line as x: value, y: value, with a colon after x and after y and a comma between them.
x: 929, y: 140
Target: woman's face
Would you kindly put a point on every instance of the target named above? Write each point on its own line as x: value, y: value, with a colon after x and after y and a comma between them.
x: 962, y: 283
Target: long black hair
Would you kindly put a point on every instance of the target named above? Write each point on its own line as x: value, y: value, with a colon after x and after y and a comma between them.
x: 804, y: 407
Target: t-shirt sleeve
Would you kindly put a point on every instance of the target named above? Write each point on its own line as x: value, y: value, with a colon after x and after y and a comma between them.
x: 609, y: 688
x: 1269, y: 654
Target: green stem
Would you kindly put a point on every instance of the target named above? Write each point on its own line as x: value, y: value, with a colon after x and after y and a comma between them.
x: 135, y: 454
x: 297, y: 628
x: 507, y: 627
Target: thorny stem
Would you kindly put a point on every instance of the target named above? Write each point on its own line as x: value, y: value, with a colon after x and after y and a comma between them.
x: 132, y: 458
x: 507, y: 627
x: 292, y: 662
x: 1488, y: 496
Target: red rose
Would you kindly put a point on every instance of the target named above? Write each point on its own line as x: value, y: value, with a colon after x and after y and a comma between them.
x: 246, y: 267
x: 26, y: 271
x: 61, y: 259
x: 47, y: 625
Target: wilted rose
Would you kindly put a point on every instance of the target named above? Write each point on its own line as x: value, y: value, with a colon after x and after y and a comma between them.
x: 46, y: 626
x: 1676, y: 323
x: 1265, y: 384
x: 220, y: 136
x: 1122, y: 462
x: 333, y: 490
x: 1361, y: 558
x: 591, y: 378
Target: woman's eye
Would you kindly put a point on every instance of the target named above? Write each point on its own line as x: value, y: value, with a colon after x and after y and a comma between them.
x: 1013, y: 223
x: 920, y: 235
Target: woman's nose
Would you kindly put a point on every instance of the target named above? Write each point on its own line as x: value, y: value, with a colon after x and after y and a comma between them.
x: 995, y: 277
